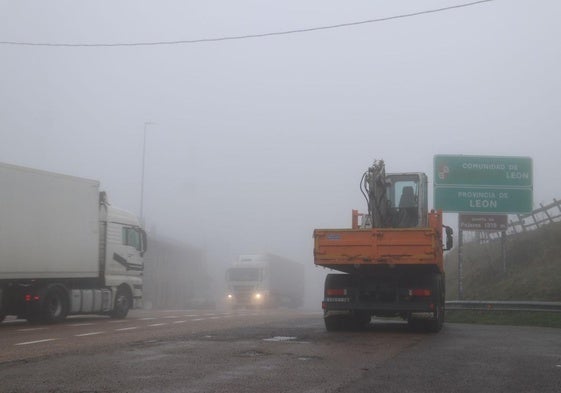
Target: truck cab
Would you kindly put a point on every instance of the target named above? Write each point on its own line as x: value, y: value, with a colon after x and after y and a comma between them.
x: 247, y: 283
x: 406, y: 201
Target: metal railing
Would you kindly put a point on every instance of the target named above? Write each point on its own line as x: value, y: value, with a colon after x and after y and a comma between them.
x: 498, y: 305
x: 541, y: 216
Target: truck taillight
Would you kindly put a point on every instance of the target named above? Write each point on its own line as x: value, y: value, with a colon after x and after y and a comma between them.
x: 419, y: 292
x: 336, y: 292
x: 29, y: 297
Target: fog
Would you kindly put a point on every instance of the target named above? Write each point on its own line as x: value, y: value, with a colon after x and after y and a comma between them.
x: 256, y: 142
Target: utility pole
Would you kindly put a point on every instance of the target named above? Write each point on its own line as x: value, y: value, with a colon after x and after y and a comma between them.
x: 146, y: 124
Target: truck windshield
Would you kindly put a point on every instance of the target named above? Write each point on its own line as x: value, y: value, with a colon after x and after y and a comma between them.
x: 404, y: 194
x: 243, y: 274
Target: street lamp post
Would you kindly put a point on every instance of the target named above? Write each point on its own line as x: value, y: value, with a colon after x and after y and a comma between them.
x: 146, y: 124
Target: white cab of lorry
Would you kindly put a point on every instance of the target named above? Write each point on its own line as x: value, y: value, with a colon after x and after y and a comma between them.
x: 265, y: 280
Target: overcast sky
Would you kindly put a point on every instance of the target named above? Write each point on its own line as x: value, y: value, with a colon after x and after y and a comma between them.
x: 258, y: 141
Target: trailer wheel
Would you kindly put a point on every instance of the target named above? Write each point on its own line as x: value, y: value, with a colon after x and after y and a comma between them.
x: 55, y: 305
x: 2, y: 316
x: 123, y: 302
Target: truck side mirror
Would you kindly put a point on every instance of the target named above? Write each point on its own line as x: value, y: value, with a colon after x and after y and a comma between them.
x: 144, y: 241
x: 449, y: 238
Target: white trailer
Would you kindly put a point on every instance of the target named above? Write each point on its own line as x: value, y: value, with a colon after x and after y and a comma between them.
x: 265, y: 280
x: 64, y: 249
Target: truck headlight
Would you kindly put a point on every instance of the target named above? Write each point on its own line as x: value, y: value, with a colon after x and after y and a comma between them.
x: 230, y: 296
x: 257, y: 296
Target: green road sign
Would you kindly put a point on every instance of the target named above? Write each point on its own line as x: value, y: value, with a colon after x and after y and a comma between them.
x: 482, y: 171
x: 483, y: 184
x: 483, y: 199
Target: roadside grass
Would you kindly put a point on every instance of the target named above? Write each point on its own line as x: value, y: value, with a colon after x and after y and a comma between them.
x: 533, y: 272
x: 513, y: 318
x: 533, y: 268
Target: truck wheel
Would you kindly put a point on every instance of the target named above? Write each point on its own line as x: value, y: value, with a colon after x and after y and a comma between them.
x: 123, y: 304
x: 55, y: 305
x: 338, y: 322
x: 435, y: 325
x: 334, y: 323
x: 361, y: 320
x: 2, y: 316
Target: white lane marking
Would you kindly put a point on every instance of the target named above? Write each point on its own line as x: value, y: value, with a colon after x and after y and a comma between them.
x: 171, y: 317
x: 31, y: 329
x: 199, y: 319
x: 179, y: 321
x: 191, y: 315
x: 216, y: 317
x: 157, y: 324
x: 89, y: 334
x: 81, y: 324
x: 37, y: 342
x: 13, y: 321
x: 147, y: 319
x: 127, y: 328
x: 280, y: 338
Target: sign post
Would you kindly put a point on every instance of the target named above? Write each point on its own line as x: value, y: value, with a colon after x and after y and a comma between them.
x: 486, y: 187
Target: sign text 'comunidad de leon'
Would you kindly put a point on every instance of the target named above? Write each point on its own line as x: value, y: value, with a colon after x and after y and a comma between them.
x: 483, y: 184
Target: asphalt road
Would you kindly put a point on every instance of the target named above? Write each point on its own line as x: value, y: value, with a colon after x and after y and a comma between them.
x: 272, y: 351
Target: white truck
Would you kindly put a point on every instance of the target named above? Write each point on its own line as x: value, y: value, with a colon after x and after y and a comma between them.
x: 64, y: 250
x: 265, y: 280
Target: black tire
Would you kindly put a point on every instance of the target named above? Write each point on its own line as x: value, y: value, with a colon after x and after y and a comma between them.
x: 338, y: 322
x: 2, y: 313
x: 433, y: 325
x: 55, y: 305
x: 123, y: 303
x: 361, y: 320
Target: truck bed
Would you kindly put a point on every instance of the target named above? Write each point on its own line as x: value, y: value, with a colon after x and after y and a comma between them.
x: 344, y: 249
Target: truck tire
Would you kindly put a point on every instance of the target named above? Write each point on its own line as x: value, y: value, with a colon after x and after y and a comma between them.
x: 55, y: 305
x: 435, y: 325
x: 123, y: 303
x: 339, y: 322
x: 335, y: 323
x: 361, y: 320
x: 2, y: 313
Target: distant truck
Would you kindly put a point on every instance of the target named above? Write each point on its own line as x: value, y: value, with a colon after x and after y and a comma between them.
x: 265, y: 280
x: 64, y: 250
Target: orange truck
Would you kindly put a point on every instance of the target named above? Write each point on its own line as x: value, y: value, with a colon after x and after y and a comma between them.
x: 391, y: 263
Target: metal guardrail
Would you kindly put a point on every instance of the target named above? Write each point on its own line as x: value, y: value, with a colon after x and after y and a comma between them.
x: 497, y: 305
